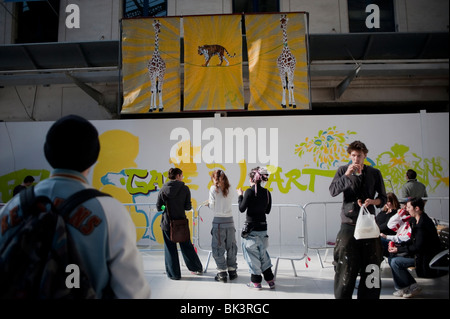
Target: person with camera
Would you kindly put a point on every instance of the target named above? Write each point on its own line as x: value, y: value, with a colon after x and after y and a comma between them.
x: 257, y: 202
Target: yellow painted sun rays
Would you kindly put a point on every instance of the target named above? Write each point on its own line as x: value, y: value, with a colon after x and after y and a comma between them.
x: 138, y: 48
x: 265, y: 44
x: 212, y: 84
x: 213, y: 87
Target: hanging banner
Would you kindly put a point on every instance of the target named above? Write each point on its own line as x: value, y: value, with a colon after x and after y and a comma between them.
x: 151, y: 65
x: 277, y: 59
x: 213, y: 63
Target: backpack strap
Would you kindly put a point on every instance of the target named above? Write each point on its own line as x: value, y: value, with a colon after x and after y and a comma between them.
x: 78, y: 198
x: 28, y: 200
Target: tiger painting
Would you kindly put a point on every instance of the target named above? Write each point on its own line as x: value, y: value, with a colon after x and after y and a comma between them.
x: 208, y: 51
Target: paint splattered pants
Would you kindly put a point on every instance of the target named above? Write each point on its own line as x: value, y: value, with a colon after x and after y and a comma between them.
x: 357, y: 257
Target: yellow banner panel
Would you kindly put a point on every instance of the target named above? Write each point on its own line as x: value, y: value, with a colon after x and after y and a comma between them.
x: 277, y: 59
x: 151, y: 65
x: 213, y: 63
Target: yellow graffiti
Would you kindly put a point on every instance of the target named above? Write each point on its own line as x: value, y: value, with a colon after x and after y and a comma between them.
x: 328, y: 147
x: 118, y: 149
x: 184, y: 160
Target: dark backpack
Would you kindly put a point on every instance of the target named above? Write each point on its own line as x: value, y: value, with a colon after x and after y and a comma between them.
x: 34, y: 260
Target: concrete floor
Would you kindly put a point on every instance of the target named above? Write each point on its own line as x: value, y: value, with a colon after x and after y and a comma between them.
x: 312, y: 282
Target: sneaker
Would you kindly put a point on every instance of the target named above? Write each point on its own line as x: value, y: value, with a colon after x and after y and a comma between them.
x: 413, y: 290
x: 254, y: 285
x: 271, y: 284
x: 198, y: 272
x: 221, y: 276
x: 400, y: 292
x: 233, y: 274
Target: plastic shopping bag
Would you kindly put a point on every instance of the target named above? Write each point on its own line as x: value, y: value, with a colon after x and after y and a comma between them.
x: 366, y: 226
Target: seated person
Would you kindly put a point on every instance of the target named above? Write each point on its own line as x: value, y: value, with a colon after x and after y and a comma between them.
x: 418, y: 251
x: 388, y: 210
x: 400, y: 227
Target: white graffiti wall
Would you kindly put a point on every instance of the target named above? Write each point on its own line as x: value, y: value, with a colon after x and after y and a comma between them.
x: 301, y: 152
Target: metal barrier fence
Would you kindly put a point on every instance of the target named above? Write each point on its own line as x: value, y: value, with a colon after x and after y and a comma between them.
x: 326, y: 242
x: 151, y: 213
x: 300, y: 215
x: 436, y: 208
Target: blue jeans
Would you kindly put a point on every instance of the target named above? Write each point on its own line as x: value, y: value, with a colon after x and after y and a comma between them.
x: 255, y: 252
x: 400, y: 273
x: 171, y: 259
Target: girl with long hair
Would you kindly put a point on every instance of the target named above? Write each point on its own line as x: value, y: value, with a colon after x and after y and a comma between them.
x: 223, y: 231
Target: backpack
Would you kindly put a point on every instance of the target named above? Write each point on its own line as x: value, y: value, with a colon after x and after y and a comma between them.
x: 34, y: 260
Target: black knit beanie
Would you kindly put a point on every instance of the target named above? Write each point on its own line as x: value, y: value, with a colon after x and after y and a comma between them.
x: 72, y: 143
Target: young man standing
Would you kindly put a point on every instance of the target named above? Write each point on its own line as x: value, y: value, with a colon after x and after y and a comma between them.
x: 359, y: 184
x: 105, y: 237
x: 413, y: 188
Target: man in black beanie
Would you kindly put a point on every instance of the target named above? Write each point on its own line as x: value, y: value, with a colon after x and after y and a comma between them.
x: 101, y: 227
x: 72, y: 143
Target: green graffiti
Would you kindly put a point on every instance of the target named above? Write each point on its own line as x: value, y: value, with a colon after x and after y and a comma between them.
x: 136, y: 182
x: 393, y: 165
x: 293, y: 177
x: 11, y: 180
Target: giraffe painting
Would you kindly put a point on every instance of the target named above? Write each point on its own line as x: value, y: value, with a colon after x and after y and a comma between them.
x: 286, y: 67
x: 156, y: 70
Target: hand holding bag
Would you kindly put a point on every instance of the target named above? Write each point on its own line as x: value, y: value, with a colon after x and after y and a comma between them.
x: 366, y: 226
x: 179, y: 229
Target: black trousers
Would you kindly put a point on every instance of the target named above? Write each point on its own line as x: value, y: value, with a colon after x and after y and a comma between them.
x: 357, y: 257
x: 171, y: 259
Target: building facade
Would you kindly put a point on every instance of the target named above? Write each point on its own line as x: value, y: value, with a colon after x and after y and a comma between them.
x: 63, y: 56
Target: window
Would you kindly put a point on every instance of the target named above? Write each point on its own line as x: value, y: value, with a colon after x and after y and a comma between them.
x: 247, y: 6
x: 371, y: 15
x: 144, y: 8
x: 37, y: 21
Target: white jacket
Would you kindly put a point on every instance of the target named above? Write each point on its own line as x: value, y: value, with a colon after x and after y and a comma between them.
x: 103, y: 232
x: 220, y: 205
x: 400, y: 224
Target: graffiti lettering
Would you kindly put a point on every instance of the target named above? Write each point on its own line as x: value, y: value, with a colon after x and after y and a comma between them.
x: 293, y: 177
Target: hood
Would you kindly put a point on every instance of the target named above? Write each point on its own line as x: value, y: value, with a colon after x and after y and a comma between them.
x: 172, y: 188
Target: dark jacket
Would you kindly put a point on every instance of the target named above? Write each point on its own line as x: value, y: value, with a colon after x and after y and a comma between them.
x: 176, y: 196
x: 367, y: 185
x: 423, y: 245
x: 382, y: 220
x: 257, y: 204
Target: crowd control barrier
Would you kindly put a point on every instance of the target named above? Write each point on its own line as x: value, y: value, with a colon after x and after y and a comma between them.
x: 296, y: 213
x: 148, y: 241
x: 436, y: 207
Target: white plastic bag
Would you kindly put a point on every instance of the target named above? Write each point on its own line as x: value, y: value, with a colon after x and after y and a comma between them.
x: 366, y: 226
